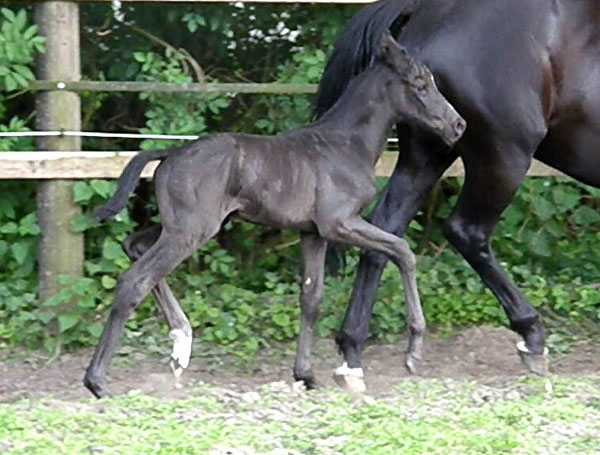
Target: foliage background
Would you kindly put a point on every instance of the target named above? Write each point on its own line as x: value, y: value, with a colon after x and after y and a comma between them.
x: 241, y: 289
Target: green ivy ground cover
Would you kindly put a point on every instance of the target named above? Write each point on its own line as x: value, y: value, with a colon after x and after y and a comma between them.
x: 558, y: 416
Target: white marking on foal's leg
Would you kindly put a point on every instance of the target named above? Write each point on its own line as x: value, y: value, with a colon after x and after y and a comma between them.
x: 182, y: 350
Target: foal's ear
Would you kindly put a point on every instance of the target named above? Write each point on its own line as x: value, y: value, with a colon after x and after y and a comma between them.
x: 392, y: 53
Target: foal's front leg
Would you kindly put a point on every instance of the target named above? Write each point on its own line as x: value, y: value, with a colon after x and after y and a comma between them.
x: 358, y: 232
x: 313, y: 258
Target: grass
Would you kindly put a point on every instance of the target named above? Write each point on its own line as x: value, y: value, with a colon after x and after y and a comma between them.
x: 527, y: 416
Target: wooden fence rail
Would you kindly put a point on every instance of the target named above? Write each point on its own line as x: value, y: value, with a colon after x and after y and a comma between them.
x: 109, y: 165
x: 123, y: 86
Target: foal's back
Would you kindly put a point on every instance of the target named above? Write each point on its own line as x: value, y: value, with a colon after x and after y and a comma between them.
x: 274, y: 180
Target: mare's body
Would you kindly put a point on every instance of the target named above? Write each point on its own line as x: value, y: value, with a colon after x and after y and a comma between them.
x: 526, y: 77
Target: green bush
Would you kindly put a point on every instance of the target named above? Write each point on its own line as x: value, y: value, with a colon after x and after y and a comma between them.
x: 241, y: 289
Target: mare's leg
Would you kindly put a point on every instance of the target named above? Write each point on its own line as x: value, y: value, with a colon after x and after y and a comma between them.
x: 181, y: 331
x: 490, y: 184
x: 313, y: 258
x: 358, y: 232
x: 420, y: 164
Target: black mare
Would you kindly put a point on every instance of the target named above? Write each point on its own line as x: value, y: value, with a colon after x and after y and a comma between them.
x: 526, y: 77
x: 316, y: 179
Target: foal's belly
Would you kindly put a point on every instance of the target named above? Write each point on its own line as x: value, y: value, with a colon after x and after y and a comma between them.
x: 286, y: 209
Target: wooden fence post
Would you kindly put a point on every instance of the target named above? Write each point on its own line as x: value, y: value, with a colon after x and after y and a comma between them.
x: 60, y: 250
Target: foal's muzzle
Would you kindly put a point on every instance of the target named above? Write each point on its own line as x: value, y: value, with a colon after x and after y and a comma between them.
x: 459, y: 127
x: 454, y: 130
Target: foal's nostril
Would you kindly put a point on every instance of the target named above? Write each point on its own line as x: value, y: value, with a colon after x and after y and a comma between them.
x: 460, y: 126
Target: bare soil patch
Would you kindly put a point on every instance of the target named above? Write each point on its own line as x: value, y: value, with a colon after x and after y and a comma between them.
x: 486, y: 355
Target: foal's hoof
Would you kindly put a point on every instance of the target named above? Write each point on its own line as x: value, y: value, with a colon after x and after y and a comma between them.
x: 351, y: 379
x: 177, y: 370
x: 97, y: 387
x: 307, y: 380
x: 535, y: 363
x: 411, y: 363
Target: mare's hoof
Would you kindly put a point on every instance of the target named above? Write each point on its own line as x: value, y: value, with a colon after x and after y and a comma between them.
x: 411, y: 363
x: 535, y: 363
x: 350, y: 379
x: 97, y: 387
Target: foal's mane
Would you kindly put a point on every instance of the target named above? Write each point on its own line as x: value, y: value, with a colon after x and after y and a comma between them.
x: 357, y: 46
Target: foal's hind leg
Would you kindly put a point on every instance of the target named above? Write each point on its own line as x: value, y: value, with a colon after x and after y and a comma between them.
x: 358, y: 232
x: 181, y: 331
x: 313, y: 258
x: 135, y: 284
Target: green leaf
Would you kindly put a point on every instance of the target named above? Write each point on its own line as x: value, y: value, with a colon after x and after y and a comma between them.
x: 10, y: 83
x: 20, y: 250
x: 30, y: 32
x: 29, y: 225
x: 9, y: 228
x: 586, y: 216
x: 281, y: 319
x: 102, y: 187
x: 543, y: 208
x: 82, y: 192
x: 95, y: 330
x: 8, y: 14
x: 108, y: 282
x: 540, y: 245
x: 565, y: 197
x: 59, y: 298
x: 66, y: 321
x: 82, y: 222
x: 112, y: 250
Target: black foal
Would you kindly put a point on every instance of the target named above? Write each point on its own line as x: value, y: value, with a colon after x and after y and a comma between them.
x: 316, y: 179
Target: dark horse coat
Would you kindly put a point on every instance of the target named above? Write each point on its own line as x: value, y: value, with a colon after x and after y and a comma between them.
x: 526, y: 77
x: 315, y: 179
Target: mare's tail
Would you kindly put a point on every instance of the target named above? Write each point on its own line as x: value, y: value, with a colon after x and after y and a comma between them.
x: 128, y: 181
x: 357, y: 45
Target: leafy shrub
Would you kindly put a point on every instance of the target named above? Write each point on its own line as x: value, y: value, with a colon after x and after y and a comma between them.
x: 241, y: 289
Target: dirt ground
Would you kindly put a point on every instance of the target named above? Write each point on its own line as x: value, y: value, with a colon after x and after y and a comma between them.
x: 487, y: 355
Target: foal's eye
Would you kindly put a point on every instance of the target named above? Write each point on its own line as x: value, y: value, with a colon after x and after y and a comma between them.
x: 421, y: 85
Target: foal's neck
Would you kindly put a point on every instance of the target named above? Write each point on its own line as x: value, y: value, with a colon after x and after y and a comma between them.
x: 363, y: 110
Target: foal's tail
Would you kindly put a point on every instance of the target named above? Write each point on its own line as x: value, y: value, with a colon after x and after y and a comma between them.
x: 128, y: 181
x: 358, y: 44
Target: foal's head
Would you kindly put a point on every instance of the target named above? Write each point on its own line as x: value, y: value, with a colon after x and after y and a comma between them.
x: 414, y: 96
